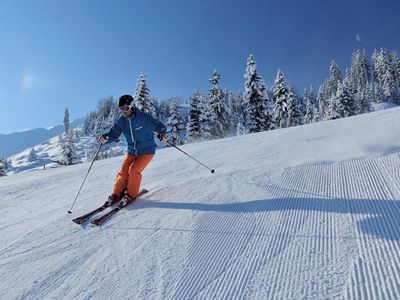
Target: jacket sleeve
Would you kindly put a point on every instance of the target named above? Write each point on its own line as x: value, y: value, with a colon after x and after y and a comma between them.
x: 154, y: 125
x: 114, y: 132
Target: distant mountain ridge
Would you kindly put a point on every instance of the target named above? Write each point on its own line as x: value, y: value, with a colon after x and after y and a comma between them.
x: 16, y: 142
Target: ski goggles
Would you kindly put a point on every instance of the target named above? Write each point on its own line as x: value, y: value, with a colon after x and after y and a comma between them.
x: 125, y: 108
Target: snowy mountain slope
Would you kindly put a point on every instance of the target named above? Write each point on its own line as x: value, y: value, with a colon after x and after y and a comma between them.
x: 15, y: 142
x: 306, y: 212
x: 49, y: 154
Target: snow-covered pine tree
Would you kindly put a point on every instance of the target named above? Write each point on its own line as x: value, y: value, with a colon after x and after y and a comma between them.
x: 103, y: 124
x: 193, y: 129
x: 384, y: 76
x: 313, y: 96
x: 236, y: 111
x: 207, y: 119
x: 324, y: 96
x: 217, y: 100
x: 360, y: 71
x: 365, y: 100
x: 294, y: 113
x: 90, y: 122
x: 3, y: 168
x: 281, y: 95
x: 163, y: 110
x: 309, y: 116
x: 321, y: 102
x: 66, y: 122
x: 240, y: 129
x: 7, y: 163
x: 389, y: 87
x: 142, y: 95
x: 396, y: 74
x: 113, y: 115
x: 257, y: 108
x: 68, y: 151
x: 335, y: 77
x: 32, y: 157
x: 346, y: 105
x: 332, y: 109
x: 175, y: 124
x: 396, y: 67
x: 153, y: 107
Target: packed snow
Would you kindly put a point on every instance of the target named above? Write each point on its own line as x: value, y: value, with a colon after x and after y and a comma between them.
x: 308, y: 212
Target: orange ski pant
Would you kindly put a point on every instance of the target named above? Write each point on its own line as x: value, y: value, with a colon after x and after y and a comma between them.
x: 130, y: 175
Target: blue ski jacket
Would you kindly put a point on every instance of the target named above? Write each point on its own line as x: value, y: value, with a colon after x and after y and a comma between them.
x: 138, y: 130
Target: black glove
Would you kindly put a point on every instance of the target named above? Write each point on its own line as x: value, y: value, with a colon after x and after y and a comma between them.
x: 103, y: 138
x: 162, y: 137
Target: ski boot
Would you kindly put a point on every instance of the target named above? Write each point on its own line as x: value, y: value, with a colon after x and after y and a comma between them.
x: 113, y: 198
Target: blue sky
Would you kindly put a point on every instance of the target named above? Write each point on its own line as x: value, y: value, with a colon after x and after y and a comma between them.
x: 58, y: 54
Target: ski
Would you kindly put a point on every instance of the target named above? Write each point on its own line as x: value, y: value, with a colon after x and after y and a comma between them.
x: 85, y: 217
x: 99, y: 221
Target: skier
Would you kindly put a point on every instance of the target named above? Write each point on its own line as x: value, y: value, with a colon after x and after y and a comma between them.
x: 138, y: 129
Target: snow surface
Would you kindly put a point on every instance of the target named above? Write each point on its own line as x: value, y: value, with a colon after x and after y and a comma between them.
x: 310, y: 212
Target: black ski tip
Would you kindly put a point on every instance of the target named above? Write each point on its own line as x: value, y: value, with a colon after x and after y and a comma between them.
x: 70, y: 212
x: 212, y: 171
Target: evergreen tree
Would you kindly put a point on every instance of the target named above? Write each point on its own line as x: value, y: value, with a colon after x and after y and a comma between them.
x: 378, y: 93
x: 90, y: 122
x: 335, y: 77
x: 142, y: 95
x: 323, y: 97
x: 309, y: 116
x: 294, y: 113
x: 365, y: 100
x: 112, y: 116
x: 217, y: 100
x: 175, y: 124
x: 396, y: 67
x: 236, y: 111
x: 322, y: 105
x: 153, y: 107
x: 389, y: 88
x: 360, y: 71
x: 332, y: 109
x: 193, y: 131
x: 207, y: 119
x: 240, y: 129
x: 163, y: 110
x: 257, y: 111
x: 345, y: 100
x: 68, y: 151
x: 66, y: 122
x: 384, y: 75
x: 32, y: 157
x: 7, y: 163
x: 281, y: 95
x: 3, y: 168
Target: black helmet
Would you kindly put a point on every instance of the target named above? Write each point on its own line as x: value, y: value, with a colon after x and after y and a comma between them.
x: 125, y: 100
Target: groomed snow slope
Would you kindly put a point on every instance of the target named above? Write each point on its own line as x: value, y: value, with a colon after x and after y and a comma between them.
x: 310, y: 212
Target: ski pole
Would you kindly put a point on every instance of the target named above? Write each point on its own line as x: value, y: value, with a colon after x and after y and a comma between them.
x: 212, y: 170
x: 94, y: 158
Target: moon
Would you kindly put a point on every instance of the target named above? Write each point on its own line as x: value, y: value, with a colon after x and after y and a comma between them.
x: 358, y: 38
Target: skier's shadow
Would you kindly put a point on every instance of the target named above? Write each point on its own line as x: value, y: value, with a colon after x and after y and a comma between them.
x: 379, y: 218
